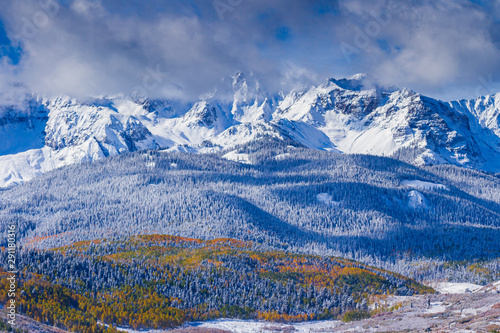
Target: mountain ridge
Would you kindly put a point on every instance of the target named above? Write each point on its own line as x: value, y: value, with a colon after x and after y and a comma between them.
x: 342, y: 115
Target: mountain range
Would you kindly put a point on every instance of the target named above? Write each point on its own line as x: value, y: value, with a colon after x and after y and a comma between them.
x: 341, y: 115
x: 150, y: 213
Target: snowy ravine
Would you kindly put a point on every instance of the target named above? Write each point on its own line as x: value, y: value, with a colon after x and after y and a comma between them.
x: 340, y: 115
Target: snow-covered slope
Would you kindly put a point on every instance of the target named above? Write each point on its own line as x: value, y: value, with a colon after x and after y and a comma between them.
x: 346, y: 115
x: 73, y: 132
x: 21, y: 127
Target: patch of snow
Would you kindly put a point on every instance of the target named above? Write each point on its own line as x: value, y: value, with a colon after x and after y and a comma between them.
x: 421, y: 185
x: 417, y: 200
x: 237, y: 157
x: 469, y: 312
x: 429, y: 157
x: 253, y: 326
x: 282, y: 157
x: 436, y: 307
x: 455, y: 288
x: 326, y: 199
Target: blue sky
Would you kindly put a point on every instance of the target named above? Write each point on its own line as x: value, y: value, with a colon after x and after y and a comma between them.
x: 9, y: 51
x: 445, y: 49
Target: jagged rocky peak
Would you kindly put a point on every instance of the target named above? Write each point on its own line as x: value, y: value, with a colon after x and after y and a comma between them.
x: 202, y: 113
x: 360, y: 82
x: 485, y: 108
x: 245, y: 86
x: 247, y: 89
x: 135, y: 130
x: 250, y: 102
x: 355, y: 83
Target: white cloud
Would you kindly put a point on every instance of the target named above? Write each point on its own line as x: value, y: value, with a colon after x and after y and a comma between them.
x: 94, y: 47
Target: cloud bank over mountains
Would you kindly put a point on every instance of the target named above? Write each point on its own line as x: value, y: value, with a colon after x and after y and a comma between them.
x: 181, y: 49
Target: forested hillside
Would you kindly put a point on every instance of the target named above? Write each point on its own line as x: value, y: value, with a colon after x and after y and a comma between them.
x: 425, y: 222
x: 159, y: 281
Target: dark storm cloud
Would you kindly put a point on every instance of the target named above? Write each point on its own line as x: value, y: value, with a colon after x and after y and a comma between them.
x: 183, y: 48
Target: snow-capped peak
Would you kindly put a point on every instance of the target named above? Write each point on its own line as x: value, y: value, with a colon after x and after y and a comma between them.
x: 355, y: 83
x: 359, y: 76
